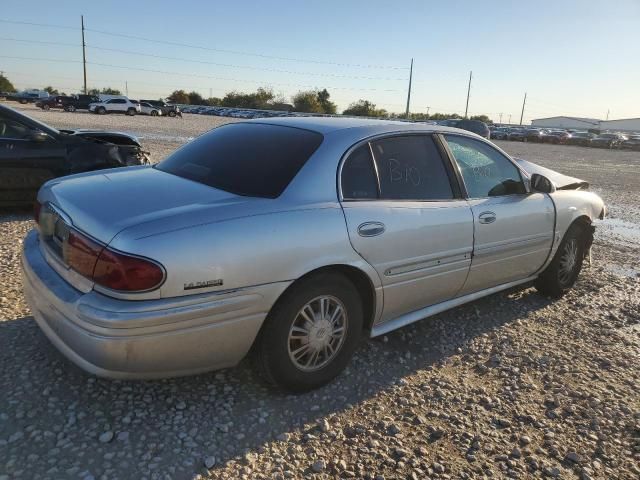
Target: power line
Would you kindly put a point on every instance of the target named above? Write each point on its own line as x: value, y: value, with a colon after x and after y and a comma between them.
x: 203, y: 62
x: 211, y: 49
x: 211, y: 77
x: 164, y: 72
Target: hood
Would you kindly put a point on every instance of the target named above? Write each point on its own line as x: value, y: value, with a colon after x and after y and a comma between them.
x: 562, y: 182
x: 119, y: 138
x: 107, y: 202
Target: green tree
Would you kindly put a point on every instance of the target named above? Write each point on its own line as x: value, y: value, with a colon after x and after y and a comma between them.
x: 482, y: 118
x: 106, y: 91
x: 364, y: 108
x: 6, y: 85
x: 307, y: 102
x: 195, y: 98
x: 179, y: 96
x: 51, y: 90
x: 213, y: 101
x: 313, y: 101
x: 260, y: 99
x: 327, y: 105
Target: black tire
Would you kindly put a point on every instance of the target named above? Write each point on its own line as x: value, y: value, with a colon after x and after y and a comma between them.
x: 171, y: 113
x: 23, y: 102
x: 46, y: 107
x: 101, y: 111
x: 70, y: 108
x: 154, y: 113
x: 131, y: 112
x: 271, y: 350
x: 557, y: 279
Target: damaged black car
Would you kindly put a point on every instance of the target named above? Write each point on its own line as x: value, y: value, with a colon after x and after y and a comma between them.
x: 32, y: 153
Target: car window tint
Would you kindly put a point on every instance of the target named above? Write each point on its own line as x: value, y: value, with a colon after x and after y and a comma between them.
x: 359, y: 180
x: 12, y: 129
x: 410, y: 168
x: 251, y: 159
x: 486, y: 172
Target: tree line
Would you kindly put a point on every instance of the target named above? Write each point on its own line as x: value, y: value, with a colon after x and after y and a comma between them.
x: 306, y: 101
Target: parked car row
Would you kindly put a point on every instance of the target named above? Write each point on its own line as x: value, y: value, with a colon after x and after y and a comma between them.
x: 234, y: 112
x: 100, y: 104
x: 567, y: 137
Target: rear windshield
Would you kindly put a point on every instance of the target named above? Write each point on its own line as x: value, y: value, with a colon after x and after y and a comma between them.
x: 251, y: 159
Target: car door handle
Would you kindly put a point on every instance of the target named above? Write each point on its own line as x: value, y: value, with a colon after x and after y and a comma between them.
x: 487, y: 217
x: 371, y: 229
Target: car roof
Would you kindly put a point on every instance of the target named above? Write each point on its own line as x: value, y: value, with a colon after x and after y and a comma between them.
x: 326, y: 125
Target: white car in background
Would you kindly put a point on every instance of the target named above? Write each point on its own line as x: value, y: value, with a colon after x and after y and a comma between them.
x: 115, y: 105
x: 148, y: 109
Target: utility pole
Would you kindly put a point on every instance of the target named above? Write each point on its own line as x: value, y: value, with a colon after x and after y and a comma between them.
x: 468, y: 93
x: 409, y: 92
x: 607, y: 114
x: 509, y: 119
x: 500, y: 118
x: 523, y: 103
x: 84, y: 55
x: 428, y: 108
x: 126, y: 88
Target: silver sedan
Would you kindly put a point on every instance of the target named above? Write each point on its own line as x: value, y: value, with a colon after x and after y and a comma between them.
x: 292, y: 238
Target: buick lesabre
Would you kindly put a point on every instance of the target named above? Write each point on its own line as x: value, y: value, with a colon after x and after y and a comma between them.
x: 292, y: 239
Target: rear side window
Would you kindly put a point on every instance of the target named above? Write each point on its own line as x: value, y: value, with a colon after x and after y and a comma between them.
x: 251, y: 159
x: 410, y: 168
x: 359, y: 181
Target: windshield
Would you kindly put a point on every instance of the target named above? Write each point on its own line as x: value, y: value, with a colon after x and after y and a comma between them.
x: 251, y: 159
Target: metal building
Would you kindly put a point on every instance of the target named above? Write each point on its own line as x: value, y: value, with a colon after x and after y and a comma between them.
x: 567, y: 122
x: 622, y: 125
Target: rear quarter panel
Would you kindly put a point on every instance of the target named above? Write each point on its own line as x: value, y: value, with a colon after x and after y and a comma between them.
x: 247, y: 251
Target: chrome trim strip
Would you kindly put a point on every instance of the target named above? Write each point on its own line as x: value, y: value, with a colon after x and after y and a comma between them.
x: 505, y: 246
x: 413, y: 317
x: 427, y: 264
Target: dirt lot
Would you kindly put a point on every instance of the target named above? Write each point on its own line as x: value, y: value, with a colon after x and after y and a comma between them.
x: 511, y: 386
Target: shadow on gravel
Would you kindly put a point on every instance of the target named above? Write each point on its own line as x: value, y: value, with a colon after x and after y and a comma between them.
x: 171, y: 425
x: 15, y: 214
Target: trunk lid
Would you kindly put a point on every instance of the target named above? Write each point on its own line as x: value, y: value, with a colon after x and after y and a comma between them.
x: 104, y: 203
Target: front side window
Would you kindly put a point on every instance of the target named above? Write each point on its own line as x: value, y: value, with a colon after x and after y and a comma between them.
x: 410, y: 168
x: 10, y: 129
x: 251, y: 159
x: 486, y: 172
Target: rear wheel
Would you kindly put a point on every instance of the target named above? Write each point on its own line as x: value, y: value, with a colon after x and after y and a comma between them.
x: 70, y: 108
x: 172, y: 113
x: 154, y: 113
x: 46, y: 107
x: 131, y: 112
x: 563, y: 271
x: 310, y: 334
x: 101, y: 110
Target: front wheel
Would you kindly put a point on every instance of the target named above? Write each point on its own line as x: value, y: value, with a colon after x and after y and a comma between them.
x: 172, y: 113
x: 154, y: 113
x: 131, y: 112
x: 310, y: 334
x: 563, y: 271
x: 70, y: 108
x: 101, y: 111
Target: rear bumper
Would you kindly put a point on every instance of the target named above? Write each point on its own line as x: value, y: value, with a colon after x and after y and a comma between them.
x: 143, y: 339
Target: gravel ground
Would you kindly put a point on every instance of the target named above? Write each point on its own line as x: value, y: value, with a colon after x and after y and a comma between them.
x: 511, y: 386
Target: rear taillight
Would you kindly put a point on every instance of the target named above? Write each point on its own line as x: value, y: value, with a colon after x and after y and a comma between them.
x: 119, y: 271
x: 108, y: 268
x: 81, y: 253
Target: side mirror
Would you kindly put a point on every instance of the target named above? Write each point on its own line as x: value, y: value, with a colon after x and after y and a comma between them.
x: 540, y: 183
x: 38, y: 136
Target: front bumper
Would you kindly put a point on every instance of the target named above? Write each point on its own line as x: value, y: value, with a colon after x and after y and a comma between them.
x: 147, y: 338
